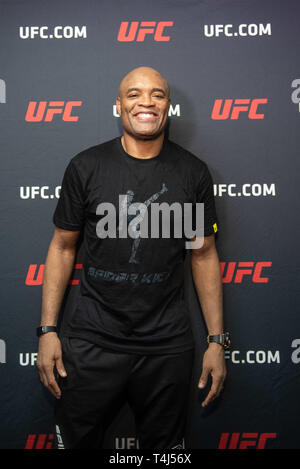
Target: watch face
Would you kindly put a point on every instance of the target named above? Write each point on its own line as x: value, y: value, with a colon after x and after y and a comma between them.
x: 227, y: 340
x: 222, y: 339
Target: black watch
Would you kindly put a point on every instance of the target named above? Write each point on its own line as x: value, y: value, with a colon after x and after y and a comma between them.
x: 222, y: 339
x: 44, y: 329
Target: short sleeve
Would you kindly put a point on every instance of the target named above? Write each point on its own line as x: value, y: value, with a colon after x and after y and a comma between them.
x: 69, y: 212
x: 205, y: 194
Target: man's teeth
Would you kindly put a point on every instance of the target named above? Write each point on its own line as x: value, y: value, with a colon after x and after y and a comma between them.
x: 145, y: 115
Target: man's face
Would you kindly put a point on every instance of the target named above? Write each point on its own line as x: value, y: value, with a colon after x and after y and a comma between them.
x: 143, y: 104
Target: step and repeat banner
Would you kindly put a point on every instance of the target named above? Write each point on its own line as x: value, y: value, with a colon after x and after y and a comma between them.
x: 233, y: 69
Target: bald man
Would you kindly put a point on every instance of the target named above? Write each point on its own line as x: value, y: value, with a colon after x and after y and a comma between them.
x: 128, y: 337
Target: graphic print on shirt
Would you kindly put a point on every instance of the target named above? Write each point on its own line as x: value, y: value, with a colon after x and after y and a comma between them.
x: 124, y: 209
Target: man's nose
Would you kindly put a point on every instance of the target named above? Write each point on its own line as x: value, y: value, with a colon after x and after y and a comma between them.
x: 146, y: 100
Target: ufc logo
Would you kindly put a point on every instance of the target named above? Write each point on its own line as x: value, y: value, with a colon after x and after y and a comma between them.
x: 39, y: 441
x: 247, y: 440
x: 244, y: 268
x: 35, y: 276
x: 233, y: 111
x: 137, y: 31
x: 45, y: 111
x: 126, y: 443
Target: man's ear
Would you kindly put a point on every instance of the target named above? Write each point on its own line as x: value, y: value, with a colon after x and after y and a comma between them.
x: 118, y: 104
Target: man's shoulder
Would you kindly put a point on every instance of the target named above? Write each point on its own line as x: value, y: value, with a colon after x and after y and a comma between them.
x: 94, y: 152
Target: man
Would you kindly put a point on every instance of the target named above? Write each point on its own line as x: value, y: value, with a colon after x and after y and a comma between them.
x: 129, y: 337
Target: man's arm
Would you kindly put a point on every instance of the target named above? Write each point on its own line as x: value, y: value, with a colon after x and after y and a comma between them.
x: 208, y: 282
x: 58, y: 268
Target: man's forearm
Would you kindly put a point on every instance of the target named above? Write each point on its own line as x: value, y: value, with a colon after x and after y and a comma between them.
x: 58, y: 268
x: 208, y: 282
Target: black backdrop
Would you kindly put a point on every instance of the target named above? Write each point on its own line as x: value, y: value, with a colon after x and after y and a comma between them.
x: 233, y: 68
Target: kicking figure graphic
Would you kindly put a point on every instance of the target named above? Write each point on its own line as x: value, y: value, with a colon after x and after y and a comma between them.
x: 124, y: 208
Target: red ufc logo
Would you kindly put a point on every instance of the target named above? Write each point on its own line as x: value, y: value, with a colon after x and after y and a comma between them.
x: 35, y: 275
x: 247, y: 440
x: 39, y: 441
x: 244, y: 268
x: 240, y: 105
x: 137, y: 31
x: 229, y: 272
x: 45, y: 111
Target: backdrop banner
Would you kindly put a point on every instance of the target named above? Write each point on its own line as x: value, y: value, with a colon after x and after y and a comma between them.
x: 233, y: 69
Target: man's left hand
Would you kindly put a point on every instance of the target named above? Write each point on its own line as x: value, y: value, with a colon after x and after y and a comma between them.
x: 214, y: 365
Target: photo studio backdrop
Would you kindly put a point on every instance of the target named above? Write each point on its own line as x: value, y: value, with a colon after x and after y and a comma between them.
x: 233, y: 69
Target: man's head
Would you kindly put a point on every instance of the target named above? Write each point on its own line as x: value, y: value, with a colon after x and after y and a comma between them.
x: 143, y: 103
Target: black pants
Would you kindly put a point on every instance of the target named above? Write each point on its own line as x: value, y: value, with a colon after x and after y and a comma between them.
x: 100, y: 381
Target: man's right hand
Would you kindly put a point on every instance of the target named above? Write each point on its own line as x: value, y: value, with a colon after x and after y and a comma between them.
x: 50, y: 355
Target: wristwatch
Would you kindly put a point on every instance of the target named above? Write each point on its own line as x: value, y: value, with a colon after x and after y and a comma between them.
x: 44, y: 329
x: 222, y: 339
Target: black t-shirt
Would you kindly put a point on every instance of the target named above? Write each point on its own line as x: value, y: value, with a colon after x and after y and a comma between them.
x: 131, y: 290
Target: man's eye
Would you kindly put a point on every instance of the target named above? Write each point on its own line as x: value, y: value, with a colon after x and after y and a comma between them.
x: 132, y: 95
x: 158, y: 96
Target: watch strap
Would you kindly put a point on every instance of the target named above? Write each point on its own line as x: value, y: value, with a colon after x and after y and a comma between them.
x: 44, y: 329
x: 222, y: 339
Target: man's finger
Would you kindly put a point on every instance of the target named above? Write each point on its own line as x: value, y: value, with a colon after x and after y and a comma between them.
x: 203, y: 378
x: 60, y: 368
x: 215, y: 389
x: 54, y: 389
x: 51, y: 382
x: 218, y: 382
x: 42, y: 377
x: 213, y: 393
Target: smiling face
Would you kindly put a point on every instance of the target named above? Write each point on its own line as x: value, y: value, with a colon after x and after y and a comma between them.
x: 143, y: 103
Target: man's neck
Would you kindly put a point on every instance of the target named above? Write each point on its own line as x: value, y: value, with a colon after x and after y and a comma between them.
x: 142, y: 148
